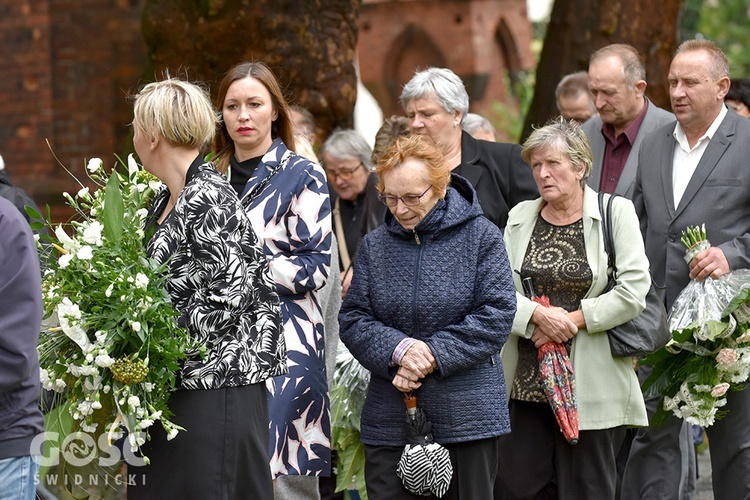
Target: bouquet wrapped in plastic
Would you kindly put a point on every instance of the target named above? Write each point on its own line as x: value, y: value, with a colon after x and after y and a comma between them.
x: 710, y: 351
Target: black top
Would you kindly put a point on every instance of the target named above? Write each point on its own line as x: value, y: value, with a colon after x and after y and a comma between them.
x: 499, y: 175
x: 242, y: 171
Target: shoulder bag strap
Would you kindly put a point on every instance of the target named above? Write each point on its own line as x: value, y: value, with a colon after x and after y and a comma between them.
x: 340, y: 236
x: 609, y: 247
x: 257, y: 189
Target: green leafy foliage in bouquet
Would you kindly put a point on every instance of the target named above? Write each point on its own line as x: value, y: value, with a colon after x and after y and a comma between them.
x: 111, y: 347
x: 710, y: 351
x: 347, y: 399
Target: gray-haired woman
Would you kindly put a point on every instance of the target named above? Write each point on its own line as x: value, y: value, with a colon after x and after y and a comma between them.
x: 347, y: 159
x: 436, y: 103
x: 557, y: 241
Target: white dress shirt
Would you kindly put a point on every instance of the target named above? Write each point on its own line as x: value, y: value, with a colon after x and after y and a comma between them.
x: 686, y: 159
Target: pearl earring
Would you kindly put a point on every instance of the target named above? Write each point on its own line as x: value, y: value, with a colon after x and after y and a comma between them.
x: 455, y: 123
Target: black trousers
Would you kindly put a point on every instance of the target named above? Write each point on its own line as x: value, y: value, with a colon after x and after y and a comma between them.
x: 222, y: 454
x: 536, y: 461
x: 474, y: 467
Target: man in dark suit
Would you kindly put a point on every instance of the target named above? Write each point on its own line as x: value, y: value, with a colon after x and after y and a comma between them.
x: 692, y: 172
x: 617, y: 79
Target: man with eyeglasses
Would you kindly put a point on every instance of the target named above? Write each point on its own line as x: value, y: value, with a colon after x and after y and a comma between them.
x: 356, y: 210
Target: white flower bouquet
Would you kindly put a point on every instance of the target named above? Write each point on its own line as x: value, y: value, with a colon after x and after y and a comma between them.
x: 111, y: 357
x: 710, y: 351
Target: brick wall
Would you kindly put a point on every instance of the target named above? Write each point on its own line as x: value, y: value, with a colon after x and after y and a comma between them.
x: 479, y: 40
x: 66, y: 67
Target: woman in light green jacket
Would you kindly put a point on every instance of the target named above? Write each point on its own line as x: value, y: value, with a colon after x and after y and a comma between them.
x: 557, y: 241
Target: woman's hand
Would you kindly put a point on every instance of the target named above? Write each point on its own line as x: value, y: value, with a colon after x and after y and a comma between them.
x: 418, y: 359
x: 406, y: 380
x: 552, y: 325
x: 346, y: 280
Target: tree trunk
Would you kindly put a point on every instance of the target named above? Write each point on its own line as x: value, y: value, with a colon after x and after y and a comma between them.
x: 579, y: 27
x: 309, y: 44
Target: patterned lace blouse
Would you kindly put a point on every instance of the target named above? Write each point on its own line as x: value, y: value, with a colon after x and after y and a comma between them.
x: 556, y: 262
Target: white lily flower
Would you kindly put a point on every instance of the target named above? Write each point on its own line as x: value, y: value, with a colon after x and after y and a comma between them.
x: 132, y: 166
x: 66, y: 241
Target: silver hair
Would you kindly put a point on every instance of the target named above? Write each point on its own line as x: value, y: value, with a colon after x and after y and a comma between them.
x: 444, y: 84
x: 348, y: 144
x: 473, y: 122
x: 566, y: 137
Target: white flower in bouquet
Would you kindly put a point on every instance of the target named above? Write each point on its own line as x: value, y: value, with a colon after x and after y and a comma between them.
x: 92, y: 233
x: 94, y: 165
x: 85, y: 253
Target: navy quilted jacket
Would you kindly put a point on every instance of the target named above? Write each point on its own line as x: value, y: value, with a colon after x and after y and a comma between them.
x: 447, y: 283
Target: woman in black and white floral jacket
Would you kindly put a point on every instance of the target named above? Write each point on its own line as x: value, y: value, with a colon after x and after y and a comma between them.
x: 219, y: 282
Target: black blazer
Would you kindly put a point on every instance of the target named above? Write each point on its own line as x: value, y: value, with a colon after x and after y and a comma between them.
x: 499, y: 175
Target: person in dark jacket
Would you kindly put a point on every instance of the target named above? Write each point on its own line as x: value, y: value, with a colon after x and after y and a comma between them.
x: 429, y: 308
x: 436, y: 103
x: 20, y: 321
x: 15, y: 194
x: 347, y: 159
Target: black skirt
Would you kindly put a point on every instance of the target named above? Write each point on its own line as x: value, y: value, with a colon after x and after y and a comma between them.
x: 222, y: 454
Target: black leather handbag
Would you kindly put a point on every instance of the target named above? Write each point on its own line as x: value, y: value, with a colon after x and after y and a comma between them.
x: 647, y: 332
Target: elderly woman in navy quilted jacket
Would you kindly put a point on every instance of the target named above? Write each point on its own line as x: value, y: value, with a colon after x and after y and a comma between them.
x: 430, y: 306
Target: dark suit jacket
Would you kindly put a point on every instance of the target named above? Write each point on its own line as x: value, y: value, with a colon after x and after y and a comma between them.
x: 654, y: 119
x: 718, y: 195
x: 499, y: 175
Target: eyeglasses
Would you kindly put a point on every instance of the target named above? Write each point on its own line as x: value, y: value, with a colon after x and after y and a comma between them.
x: 344, y: 173
x: 410, y: 200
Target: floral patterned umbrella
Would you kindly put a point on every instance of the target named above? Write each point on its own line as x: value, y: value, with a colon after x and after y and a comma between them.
x: 557, y: 377
x: 559, y: 384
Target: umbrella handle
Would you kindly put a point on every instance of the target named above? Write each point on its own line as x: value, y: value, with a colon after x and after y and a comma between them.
x: 410, y: 400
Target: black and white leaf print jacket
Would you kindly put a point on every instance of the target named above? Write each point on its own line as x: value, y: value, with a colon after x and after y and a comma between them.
x: 220, y: 282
